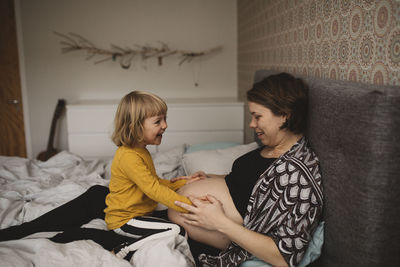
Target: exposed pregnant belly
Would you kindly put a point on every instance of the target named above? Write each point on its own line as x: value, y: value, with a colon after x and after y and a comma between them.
x: 216, y: 187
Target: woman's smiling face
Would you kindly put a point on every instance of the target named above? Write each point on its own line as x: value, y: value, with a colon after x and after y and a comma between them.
x: 266, y: 124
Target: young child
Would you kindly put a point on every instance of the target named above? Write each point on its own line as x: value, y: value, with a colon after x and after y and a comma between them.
x: 133, y: 192
x: 135, y: 188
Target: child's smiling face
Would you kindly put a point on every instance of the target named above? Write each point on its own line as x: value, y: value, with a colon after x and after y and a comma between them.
x: 153, y: 129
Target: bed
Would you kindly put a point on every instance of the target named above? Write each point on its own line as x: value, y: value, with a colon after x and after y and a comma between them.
x: 354, y: 129
x: 30, y: 188
x: 205, y: 135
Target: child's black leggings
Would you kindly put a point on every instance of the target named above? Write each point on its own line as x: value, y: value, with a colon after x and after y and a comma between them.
x: 68, y: 218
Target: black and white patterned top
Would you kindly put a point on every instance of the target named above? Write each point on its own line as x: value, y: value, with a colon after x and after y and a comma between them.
x: 285, y: 204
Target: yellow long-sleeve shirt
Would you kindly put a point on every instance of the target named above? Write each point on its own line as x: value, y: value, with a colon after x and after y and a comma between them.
x: 135, y: 188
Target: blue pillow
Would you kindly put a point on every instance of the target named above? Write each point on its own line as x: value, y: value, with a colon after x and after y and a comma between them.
x: 312, y: 253
x: 210, y: 146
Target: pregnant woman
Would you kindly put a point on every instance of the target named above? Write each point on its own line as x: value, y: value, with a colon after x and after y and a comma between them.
x: 271, y: 202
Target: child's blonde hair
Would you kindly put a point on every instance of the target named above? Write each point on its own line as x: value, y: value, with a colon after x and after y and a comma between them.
x: 133, y: 109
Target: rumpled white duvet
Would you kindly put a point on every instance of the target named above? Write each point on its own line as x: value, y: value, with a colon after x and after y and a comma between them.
x: 29, y: 188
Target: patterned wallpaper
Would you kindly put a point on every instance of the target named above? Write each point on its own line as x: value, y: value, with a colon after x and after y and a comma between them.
x: 337, y: 39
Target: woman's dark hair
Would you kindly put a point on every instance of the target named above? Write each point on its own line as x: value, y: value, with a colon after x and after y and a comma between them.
x: 284, y: 95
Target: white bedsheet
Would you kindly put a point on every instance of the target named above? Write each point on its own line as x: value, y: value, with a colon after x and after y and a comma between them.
x: 29, y: 188
x: 43, y: 252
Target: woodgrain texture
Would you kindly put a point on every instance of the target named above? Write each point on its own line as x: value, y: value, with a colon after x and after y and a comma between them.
x: 12, y: 133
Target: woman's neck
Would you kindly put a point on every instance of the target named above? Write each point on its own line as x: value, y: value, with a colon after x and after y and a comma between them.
x: 284, y: 146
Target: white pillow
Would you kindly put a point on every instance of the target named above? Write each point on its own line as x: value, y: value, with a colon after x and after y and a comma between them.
x: 168, y: 163
x: 218, y: 161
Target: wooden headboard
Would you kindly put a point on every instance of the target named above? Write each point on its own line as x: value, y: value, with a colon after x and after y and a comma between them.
x: 190, y: 121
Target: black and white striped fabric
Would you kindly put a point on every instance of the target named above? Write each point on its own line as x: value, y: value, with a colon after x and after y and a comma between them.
x: 143, y: 229
x: 286, y: 205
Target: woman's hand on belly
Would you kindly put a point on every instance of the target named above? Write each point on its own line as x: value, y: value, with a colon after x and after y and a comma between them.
x: 203, y: 189
x: 207, y: 212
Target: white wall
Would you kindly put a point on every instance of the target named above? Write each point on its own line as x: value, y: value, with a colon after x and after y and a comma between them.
x: 195, y: 25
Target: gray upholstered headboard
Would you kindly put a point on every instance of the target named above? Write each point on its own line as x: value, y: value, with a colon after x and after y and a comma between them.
x: 355, y: 130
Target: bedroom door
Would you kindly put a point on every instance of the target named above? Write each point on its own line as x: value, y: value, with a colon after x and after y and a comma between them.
x: 12, y: 131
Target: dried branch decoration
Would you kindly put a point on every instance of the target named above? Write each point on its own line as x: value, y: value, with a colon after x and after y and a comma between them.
x: 75, y: 42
